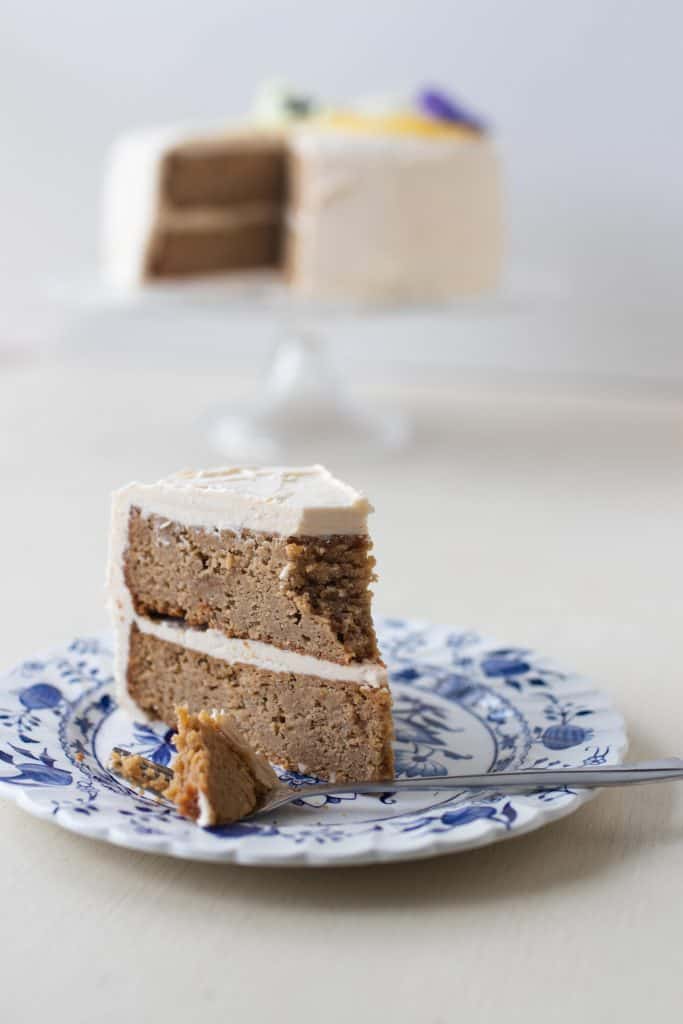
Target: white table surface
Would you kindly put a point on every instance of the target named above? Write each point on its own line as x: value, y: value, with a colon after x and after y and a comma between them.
x: 553, y: 518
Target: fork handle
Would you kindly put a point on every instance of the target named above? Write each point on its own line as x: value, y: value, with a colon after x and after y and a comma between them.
x: 590, y: 776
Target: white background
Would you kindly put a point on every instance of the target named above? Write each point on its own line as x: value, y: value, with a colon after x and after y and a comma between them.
x: 554, y: 510
x: 586, y: 100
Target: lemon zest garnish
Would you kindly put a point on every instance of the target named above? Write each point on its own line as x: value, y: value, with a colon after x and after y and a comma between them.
x: 391, y: 124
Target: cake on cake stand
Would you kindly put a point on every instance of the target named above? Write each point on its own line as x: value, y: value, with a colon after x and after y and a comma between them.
x: 378, y: 200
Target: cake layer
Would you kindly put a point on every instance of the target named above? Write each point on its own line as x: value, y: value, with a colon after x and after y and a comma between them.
x: 335, y: 730
x: 308, y: 594
x: 224, y: 172
x: 177, y: 252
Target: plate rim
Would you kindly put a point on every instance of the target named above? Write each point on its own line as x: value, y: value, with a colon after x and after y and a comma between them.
x: 235, y: 850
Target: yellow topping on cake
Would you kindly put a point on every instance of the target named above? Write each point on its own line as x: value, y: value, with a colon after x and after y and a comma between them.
x: 399, y: 123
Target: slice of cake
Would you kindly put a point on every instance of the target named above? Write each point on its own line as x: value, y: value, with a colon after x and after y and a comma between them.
x: 217, y: 777
x: 247, y: 590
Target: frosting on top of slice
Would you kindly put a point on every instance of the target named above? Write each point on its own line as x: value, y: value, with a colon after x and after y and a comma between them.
x: 287, y: 500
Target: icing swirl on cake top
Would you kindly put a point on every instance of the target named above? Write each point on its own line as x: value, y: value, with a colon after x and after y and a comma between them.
x: 301, y: 500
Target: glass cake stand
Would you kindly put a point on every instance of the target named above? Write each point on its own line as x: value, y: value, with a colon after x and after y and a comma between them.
x: 304, y: 400
x: 304, y: 407
x: 307, y: 403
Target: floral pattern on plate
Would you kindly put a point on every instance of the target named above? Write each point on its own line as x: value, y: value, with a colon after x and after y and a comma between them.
x: 461, y: 703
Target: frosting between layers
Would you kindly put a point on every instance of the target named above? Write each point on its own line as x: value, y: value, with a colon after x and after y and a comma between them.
x: 208, y: 218
x: 215, y: 644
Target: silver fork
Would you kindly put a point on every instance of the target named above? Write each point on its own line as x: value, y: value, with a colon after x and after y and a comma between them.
x: 589, y: 777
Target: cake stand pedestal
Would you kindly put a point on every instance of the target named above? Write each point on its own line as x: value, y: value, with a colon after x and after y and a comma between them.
x: 303, y: 406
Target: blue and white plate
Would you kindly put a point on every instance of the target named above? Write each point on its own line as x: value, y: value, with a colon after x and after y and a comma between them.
x: 461, y: 703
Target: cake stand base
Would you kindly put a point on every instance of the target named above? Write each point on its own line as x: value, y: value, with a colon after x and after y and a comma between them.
x: 303, y: 412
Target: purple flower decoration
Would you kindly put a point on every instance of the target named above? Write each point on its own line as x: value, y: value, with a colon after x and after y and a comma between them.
x: 437, y: 104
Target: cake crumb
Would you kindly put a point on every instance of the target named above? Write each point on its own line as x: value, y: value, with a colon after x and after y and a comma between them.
x: 139, y: 771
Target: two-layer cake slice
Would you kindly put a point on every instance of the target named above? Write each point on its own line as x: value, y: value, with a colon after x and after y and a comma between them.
x: 247, y: 590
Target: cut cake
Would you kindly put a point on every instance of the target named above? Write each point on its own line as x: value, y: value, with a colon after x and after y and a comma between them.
x: 343, y: 204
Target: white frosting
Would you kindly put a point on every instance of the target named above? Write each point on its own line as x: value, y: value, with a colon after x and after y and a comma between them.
x: 131, y: 203
x: 202, y: 218
x: 424, y: 212
x: 304, y: 500
x: 207, y: 815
